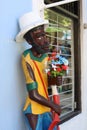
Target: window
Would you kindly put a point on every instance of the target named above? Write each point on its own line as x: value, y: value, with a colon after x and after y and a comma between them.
x: 63, y: 33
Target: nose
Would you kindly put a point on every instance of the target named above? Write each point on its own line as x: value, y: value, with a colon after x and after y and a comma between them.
x: 44, y: 39
x: 47, y: 39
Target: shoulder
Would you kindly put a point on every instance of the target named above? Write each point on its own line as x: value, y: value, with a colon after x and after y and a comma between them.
x: 26, y: 52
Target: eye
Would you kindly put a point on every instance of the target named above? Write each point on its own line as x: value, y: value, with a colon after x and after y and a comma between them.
x: 39, y: 38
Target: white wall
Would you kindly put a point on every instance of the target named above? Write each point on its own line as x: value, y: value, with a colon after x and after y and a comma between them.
x: 12, y: 85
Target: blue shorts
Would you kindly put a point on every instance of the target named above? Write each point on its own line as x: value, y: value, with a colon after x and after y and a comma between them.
x: 44, y: 120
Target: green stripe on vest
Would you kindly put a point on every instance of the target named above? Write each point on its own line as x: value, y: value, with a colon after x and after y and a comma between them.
x: 31, y: 86
x: 26, y: 52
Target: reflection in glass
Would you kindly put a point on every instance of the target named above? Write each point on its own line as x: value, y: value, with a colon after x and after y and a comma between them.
x: 60, y: 35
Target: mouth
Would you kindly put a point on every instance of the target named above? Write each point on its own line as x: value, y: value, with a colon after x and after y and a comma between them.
x: 45, y: 47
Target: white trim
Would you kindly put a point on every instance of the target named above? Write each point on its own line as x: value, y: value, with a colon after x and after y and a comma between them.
x: 59, y: 3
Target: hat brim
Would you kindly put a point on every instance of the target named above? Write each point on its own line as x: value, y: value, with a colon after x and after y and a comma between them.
x: 19, y: 37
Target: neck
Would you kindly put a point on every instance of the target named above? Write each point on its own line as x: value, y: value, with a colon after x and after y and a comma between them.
x: 36, y: 54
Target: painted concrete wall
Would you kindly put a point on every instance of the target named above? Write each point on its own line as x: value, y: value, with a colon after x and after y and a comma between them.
x: 12, y: 86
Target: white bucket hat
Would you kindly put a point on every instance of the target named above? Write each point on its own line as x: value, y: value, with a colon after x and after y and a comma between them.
x: 27, y: 22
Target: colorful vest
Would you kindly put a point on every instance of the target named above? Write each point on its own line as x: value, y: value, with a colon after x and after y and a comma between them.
x: 28, y: 57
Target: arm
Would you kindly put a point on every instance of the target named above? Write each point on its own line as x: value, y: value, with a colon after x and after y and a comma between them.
x: 33, y: 94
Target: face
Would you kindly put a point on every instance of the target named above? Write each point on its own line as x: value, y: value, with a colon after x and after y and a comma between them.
x: 41, y: 43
